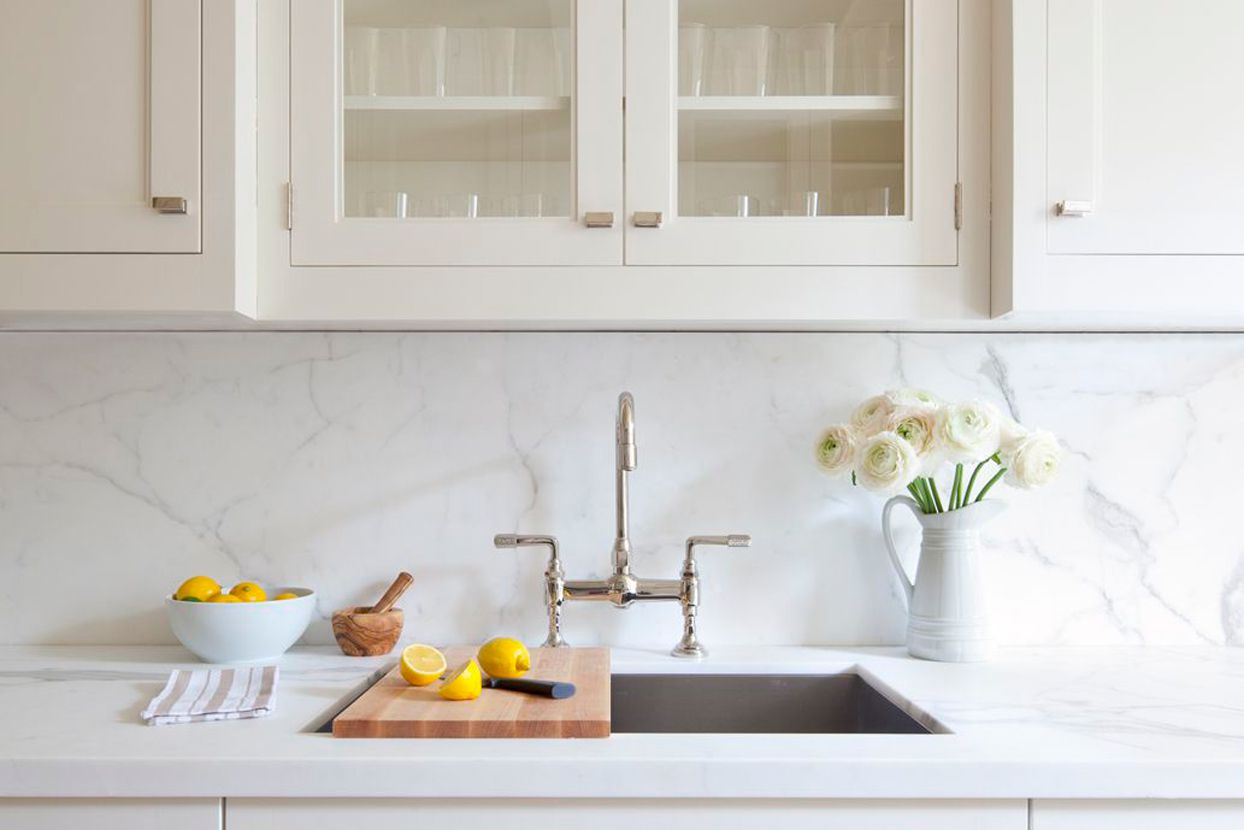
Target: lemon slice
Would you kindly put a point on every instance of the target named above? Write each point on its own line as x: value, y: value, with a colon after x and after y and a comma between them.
x: 422, y: 665
x: 465, y: 683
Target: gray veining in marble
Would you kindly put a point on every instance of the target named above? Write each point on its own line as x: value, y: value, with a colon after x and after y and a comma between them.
x: 130, y: 461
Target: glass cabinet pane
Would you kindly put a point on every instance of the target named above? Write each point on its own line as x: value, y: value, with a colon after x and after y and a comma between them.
x: 456, y: 109
x: 792, y: 108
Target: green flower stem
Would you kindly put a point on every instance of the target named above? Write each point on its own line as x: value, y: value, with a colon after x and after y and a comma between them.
x: 937, y: 498
x: 967, y: 498
x: 918, y: 496
x: 956, y: 492
x: 991, y: 483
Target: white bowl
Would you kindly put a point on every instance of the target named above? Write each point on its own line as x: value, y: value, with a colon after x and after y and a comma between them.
x: 242, y: 632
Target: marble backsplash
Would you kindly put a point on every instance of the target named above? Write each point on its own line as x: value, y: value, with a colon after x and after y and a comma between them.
x: 130, y: 461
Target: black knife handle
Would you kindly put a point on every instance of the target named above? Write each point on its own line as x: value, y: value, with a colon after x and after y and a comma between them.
x: 547, y: 688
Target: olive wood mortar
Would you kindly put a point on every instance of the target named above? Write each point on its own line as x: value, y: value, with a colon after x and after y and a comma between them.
x: 370, y: 631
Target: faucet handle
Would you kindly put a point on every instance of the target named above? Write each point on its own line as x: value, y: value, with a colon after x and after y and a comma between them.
x: 733, y: 540
x: 554, y: 580
x: 689, y: 645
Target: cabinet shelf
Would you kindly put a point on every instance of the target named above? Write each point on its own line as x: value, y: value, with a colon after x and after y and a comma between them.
x: 875, y: 107
x: 463, y: 103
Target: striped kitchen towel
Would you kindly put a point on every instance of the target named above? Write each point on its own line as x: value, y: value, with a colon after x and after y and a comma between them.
x: 193, y: 695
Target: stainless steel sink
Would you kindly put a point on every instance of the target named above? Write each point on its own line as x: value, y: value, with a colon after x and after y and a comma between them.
x: 759, y: 703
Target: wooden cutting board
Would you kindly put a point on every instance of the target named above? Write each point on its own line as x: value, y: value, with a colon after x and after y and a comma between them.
x: 392, y: 708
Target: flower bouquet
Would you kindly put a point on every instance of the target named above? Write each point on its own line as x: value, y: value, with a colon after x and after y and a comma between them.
x: 902, y: 441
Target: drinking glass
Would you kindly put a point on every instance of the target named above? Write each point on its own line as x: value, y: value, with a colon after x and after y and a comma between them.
x: 872, y: 60
x: 480, y: 61
x: 692, y: 38
x: 385, y: 204
x: 542, y: 61
x: 392, y: 66
x: 738, y: 61
x: 425, y: 60
x: 805, y: 60
x: 359, y: 54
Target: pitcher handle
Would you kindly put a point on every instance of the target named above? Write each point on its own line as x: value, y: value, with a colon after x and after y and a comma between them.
x: 908, y: 587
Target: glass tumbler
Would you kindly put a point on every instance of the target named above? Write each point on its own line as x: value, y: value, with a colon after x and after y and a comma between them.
x: 479, y: 61
x: 738, y: 61
x: 805, y: 60
x: 359, y: 60
x: 542, y: 61
x: 425, y: 60
x: 692, y: 39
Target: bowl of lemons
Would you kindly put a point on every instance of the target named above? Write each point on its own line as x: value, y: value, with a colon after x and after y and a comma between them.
x: 249, y: 623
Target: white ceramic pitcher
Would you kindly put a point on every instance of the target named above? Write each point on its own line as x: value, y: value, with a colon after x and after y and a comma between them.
x: 947, y: 616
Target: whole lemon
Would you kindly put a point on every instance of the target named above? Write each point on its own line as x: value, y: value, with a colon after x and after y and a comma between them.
x: 249, y: 592
x: 197, y: 589
x: 286, y: 595
x: 504, y: 657
x: 464, y: 684
x: 224, y: 598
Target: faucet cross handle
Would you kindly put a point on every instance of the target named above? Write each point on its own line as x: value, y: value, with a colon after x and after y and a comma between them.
x: 689, y: 645
x: 554, y: 580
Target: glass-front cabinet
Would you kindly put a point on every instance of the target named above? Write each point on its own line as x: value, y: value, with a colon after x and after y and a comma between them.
x: 805, y: 132
x: 505, y: 132
x: 457, y: 132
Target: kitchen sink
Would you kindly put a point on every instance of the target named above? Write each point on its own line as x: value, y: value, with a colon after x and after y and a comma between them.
x: 759, y: 703
x: 808, y: 704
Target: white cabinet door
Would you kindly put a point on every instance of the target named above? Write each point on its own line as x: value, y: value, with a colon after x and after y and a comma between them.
x: 1154, y: 814
x: 1146, y: 126
x: 111, y: 813
x: 101, y: 106
x: 627, y: 814
x: 456, y: 132
x: 813, y: 133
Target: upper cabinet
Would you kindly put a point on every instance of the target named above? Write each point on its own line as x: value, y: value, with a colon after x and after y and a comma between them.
x: 819, y: 132
x: 1119, y: 131
x: 618, y: 163
x: 119, y: 154
x: 456, y: 132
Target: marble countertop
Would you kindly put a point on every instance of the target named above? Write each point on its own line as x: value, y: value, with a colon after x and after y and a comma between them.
x: 1034, y: 723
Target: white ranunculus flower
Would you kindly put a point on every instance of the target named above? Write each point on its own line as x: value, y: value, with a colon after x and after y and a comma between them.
x: 835, y: 450
x: 910, y: 396
x: 968, y: 431
x: 1010, y: 432
x: 886, y: 463
x: 869, y: 417
x: 1033, y: 460
x: 917, y: 426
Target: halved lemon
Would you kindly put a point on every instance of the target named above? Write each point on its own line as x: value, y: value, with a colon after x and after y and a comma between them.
x: 465, y: 683
x: 422, y: 665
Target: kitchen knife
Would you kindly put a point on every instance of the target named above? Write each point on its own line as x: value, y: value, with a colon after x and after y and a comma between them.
x: 546, y: 688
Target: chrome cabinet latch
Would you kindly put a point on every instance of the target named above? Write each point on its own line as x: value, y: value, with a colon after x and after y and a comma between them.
x: 598, y: 218
x: 170, y: 204
x: 1074, y: 208
x: 648, y: 218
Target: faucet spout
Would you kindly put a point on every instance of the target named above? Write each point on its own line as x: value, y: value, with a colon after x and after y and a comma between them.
x: 627, y: 458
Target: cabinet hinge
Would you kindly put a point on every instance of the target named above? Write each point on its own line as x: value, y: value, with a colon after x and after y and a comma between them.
x: 289, y: 206
x: 958, y: 205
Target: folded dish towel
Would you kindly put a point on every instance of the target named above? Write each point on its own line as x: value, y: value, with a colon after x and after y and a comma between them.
x: 213, y: 694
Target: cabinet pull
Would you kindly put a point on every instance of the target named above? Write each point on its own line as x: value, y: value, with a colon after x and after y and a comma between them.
x: 1074, y: 208
x: 170, y: 204
x: 648, y: 218
x: 598, y: 218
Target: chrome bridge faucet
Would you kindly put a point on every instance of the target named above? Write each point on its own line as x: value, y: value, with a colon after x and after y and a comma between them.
x: 622, y: 588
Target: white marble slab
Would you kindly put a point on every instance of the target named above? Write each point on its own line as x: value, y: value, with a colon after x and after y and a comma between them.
x: 1120, y: 722
x: 130, y: 461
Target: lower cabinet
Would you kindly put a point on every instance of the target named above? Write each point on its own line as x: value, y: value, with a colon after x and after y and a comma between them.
x: 111, y: 813
x: 1149, y: 814
x: 627, y: 814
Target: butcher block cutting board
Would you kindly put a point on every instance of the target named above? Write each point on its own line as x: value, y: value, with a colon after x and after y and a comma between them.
x: 392, y: 708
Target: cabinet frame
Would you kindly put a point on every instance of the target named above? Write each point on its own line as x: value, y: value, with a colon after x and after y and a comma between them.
x: 792, y: 298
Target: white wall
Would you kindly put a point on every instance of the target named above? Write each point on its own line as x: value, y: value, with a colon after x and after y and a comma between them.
x: 130, y: 461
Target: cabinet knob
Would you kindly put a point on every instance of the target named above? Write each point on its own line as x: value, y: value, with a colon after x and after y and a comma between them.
x: 1074, y: 208
x: 648, y: 218
x: 598, y: 218
x: 170, y: 204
